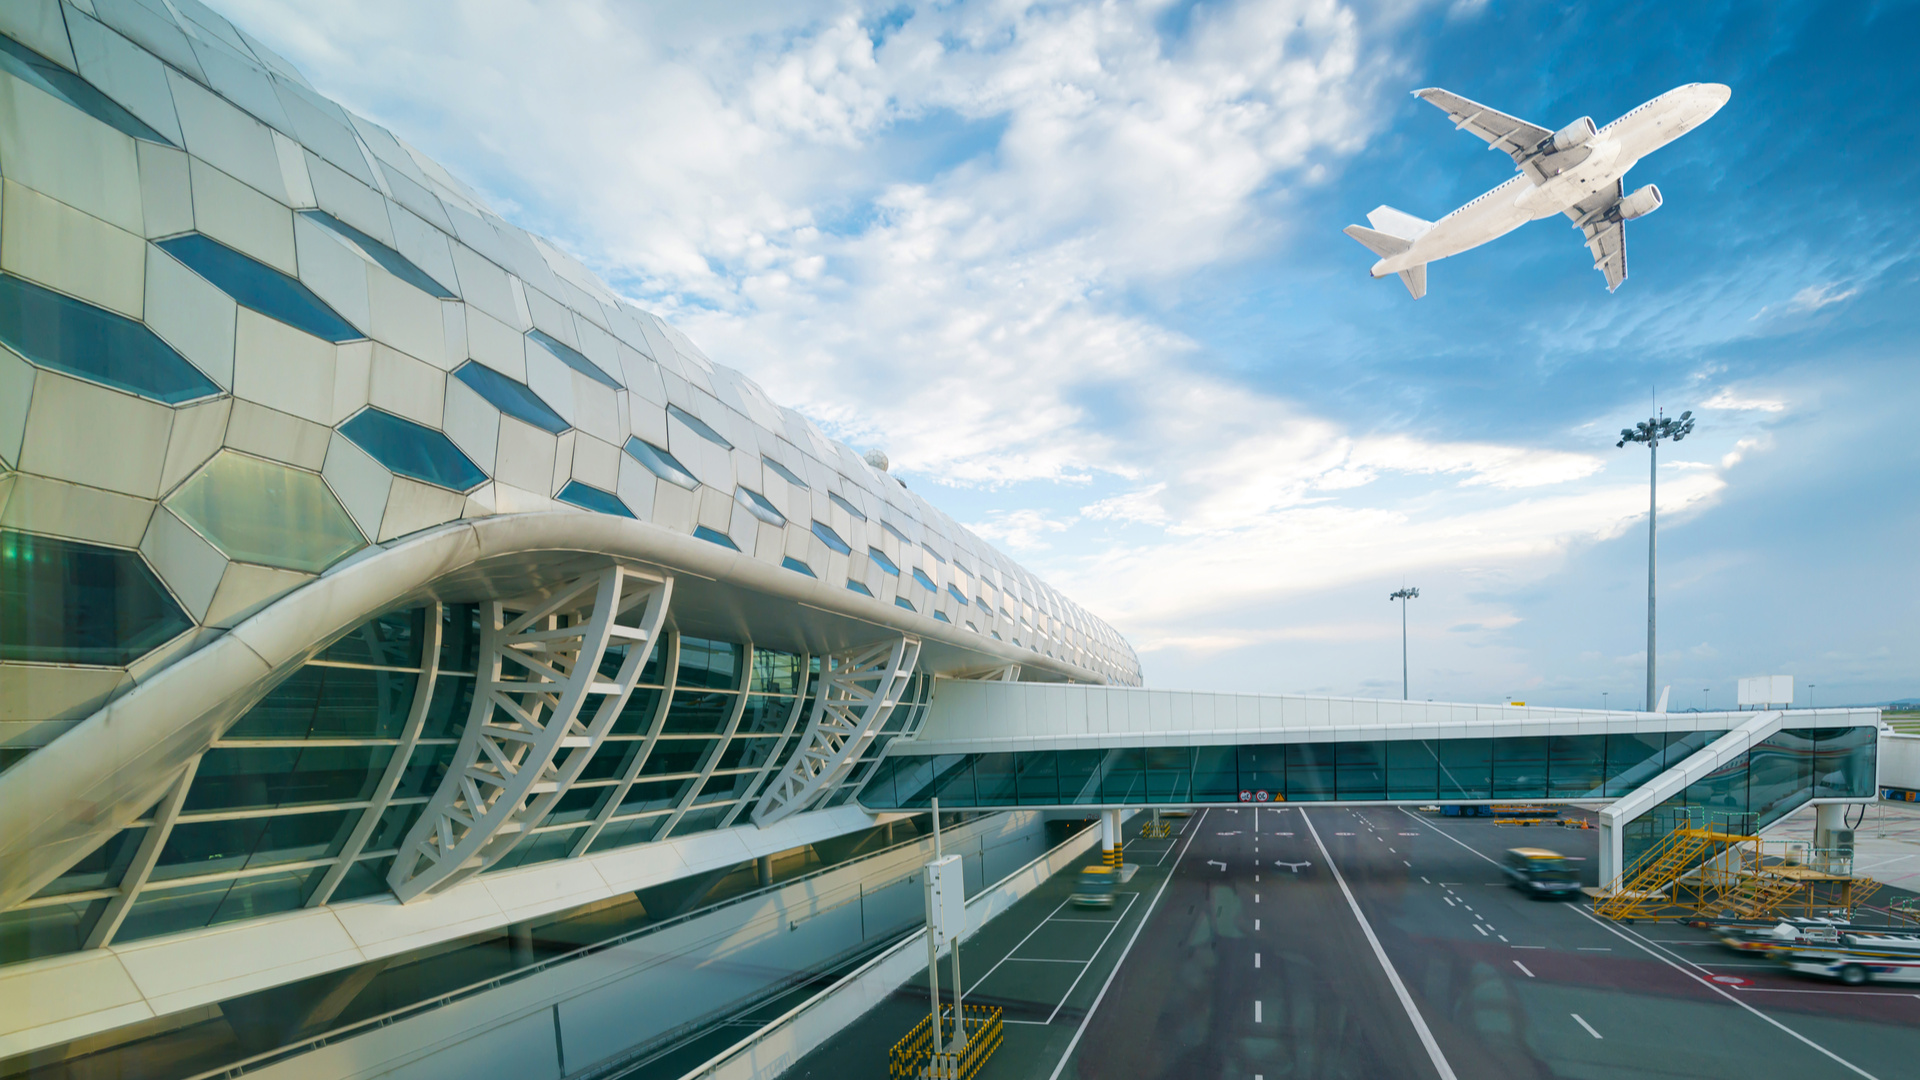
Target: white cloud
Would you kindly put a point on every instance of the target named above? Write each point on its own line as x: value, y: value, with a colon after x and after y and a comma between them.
x: 1734, y: 401
x: 1815, y: 297
x: 1021, y: 530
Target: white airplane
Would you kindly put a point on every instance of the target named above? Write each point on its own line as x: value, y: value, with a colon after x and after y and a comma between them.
x: 1577, y: 171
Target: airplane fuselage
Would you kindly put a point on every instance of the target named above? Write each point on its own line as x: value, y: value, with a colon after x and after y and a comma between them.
x: 1612, y: 151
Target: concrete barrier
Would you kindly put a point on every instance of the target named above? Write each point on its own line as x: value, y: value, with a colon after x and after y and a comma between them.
x: 775, y: 1048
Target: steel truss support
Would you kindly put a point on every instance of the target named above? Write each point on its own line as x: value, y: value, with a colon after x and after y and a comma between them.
x: 855, y: 694
x: 541, y: 707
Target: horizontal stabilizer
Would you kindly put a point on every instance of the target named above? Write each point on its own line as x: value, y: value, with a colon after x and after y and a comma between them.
x: 1416, y: 280
x: 1385, y: 245
x: 1398, y: 223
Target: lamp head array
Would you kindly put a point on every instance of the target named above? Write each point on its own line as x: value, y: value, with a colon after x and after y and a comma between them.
x: 1672, y: 429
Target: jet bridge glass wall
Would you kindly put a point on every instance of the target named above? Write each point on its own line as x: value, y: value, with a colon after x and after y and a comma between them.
x: 1785, y: 771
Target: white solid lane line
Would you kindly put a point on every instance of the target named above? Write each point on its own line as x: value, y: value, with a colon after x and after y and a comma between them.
x: 1256, y: 960
x: 1523, y: 968
x: 1482, y: 929
x: 1584, y: 1024
x: 1256, y: 1012
x: 1380, y: 953
x: 1657, y: 955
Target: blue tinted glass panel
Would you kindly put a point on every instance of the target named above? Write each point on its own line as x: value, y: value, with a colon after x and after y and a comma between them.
x: 194, y: 848
x: 592, y: 498
x: 62, y: 601
x: 246, y: 778
x: 956, y: 594
x: 94, y: 344
x: 847, y: 506
x: 190, y: 907
x: 395, y: 263
x: 712, y: 537
x: 660, y: 463
x: 102, y: 868
x: 29, y: 66
x: 365, y: 878
x: 573, y: 358
x: 412, y: 450
x: 758, y: 506
x: 258, y: 286
x: 515, y: 399
x: 901, y: 601
x: 390, y: 639
x: 859, y: 588
x: 323, y: 702
x: 926, y: 582
x: 797, y: 566
x: 880, y: 560
x: 783, y: 472
x: 699, y: 426
x: 897, y: 534
x: 830, y: 538
x: 47, y: 931
x: 703, y: 662
x: 942, y: 616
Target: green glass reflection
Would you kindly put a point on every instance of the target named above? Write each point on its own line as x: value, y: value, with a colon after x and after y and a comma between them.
x: 260, y: 512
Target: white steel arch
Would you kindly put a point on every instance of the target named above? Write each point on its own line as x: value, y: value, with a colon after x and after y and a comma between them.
x: 857, y: 692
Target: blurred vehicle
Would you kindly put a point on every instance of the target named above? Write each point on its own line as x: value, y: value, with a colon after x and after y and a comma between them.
x: 1539, y: 872
x: 1094, y: 888
x: 1855, y: 957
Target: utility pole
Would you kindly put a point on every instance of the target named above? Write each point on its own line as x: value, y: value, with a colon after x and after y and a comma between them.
x: 1403, y: 595
x: 1651, y: 431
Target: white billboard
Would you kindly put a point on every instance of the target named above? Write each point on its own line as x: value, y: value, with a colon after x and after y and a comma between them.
x: 1766, y: 690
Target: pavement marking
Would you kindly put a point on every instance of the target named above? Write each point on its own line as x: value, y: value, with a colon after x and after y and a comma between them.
x: 1256, y: 898
x: 1256, y: 960
x: 1422, y: 878
x: 1523, y: 968
x: 1482, y: 929
x: 1256, y: 927
x: 1448, y: 899
x: 1043, y: 960
x: 1386, y: 964
x: 1584, y: 1024
x: 1121, y: 962
x: 1529, y: 946
x: 1605, y: 948
x: 1502, y: 937
x: 1256, y: 1012
x: 1214, y: 862
x: 1657, y: 954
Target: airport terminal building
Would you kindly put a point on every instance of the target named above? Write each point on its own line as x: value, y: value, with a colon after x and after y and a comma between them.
x: 389, y: 612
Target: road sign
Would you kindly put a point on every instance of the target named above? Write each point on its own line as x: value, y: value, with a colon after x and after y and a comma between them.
x: 1261, y: 796
x: 1246, y: 796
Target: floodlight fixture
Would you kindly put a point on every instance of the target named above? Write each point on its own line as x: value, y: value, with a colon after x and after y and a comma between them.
x: 1403, y: 595
x: 1650, y: 432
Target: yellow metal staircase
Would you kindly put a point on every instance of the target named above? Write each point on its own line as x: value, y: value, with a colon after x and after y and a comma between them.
x: 1756, y: 896
x: 1642, y: 891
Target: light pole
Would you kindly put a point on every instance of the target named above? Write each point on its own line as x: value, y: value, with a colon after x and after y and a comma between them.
x: 1403, y: 595
x: 1810, y: 687
x: 1651, y: 431
x: 1603, y: 701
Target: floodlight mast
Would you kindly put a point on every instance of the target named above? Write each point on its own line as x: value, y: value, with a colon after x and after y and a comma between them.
x: 1403, y: 595
x: 1651, y: 431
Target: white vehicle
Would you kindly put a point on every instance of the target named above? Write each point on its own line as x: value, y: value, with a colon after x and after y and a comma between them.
x: 1856, y: 958
x: 1578, y: 171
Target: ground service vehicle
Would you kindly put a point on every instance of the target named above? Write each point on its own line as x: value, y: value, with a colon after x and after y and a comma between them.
x: 1856, y: 958
x: 1539, y: 872
x: 1094, y: 888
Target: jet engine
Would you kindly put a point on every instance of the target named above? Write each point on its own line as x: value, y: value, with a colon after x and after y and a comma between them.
x: 1641, y: 203
x: 1574, y: 134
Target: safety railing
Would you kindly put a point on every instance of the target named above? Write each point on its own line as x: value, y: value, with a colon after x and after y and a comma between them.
x: 914, y: 1056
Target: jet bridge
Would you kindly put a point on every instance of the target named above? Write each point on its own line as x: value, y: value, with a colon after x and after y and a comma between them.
x: 1008, y: 744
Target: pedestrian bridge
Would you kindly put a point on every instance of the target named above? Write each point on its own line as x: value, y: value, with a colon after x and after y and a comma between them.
x: 993, y: 745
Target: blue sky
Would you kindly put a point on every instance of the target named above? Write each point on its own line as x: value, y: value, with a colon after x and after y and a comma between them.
x: 1078, y: 269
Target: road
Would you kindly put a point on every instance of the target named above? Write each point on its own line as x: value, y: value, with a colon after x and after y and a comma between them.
x: 1378, y: 942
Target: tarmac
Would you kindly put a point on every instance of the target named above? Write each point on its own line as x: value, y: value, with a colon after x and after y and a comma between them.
x: 1378, y: 942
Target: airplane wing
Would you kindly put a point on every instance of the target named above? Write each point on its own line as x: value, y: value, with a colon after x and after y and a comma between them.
x: 1606, y: 234
x: 1497, y: 129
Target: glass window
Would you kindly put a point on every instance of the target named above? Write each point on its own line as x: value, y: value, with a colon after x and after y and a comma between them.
x: 783, y: 472
x: 707, y: 663
x: 926, y: 582
x: 390, y: 639
x: 1362, y: 769
x: 856, y: 586
x: 843, y: 504
x: 897, y: 534
x: 412, y: 450
x: 395, y: 263
x: 1080, y: 773
x: 394, y: 825
x: 636, y: 716
x: 698, y: 712
x: 699, y: 821
x: 47, y: 931
x: 1520, y: 768
x: 957, y: 594
x: 262, y: 512
x: 1466, y: 768
x: 701, y: 532
x: 425, y: 770
x: 94, y: 344
x: 1780, y: 775
x: 1633, y: 759
x: 903, y: 602
x: 699, y: 427
x: 246, y: 778
x: 660, y: 463
x: 729, y: 787
x: 1412, y: 769
x: 592, y: 498
x: 515, y: 399
x: 1576, y: 766
x: 797, y: 566
x: 62, y: 601
x: 758, y: 506
x: 1214, y: 774
x: 367, y: 877
x: 573, y: 358
x: 459, y: 637
x: 655, y: 794
x: 942, y: 617
x: 447, y: 711
x: 1844, y: 762
x: 1312, y: 772
x: 880, y: 560
x: 1169, y: 773
x: 953, y: 781
x: 671, y: 757
x: 194, y: 848
x: 610, y: 759
x: 830, y: 538
x: 777, y: 672
x: 101, y: 868
x: 620, y: 834
x: 1037, y: 779
x: 255, y: 285
x: 28, y: 66
x: 190, y: 907
x: 579, y: 804
x: 321, y: 702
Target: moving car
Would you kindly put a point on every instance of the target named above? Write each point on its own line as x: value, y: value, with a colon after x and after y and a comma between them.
x: 1856, y: 958
x: 1539, y: 872
x: 1094, y: 888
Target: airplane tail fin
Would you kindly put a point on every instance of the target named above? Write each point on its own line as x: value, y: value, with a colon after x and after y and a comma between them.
x: 1393, y: 233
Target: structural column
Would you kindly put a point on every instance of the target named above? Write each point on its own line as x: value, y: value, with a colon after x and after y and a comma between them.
x: 1110, y: 838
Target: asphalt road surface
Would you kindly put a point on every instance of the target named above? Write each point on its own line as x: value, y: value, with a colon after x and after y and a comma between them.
x: 1377, y: 943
